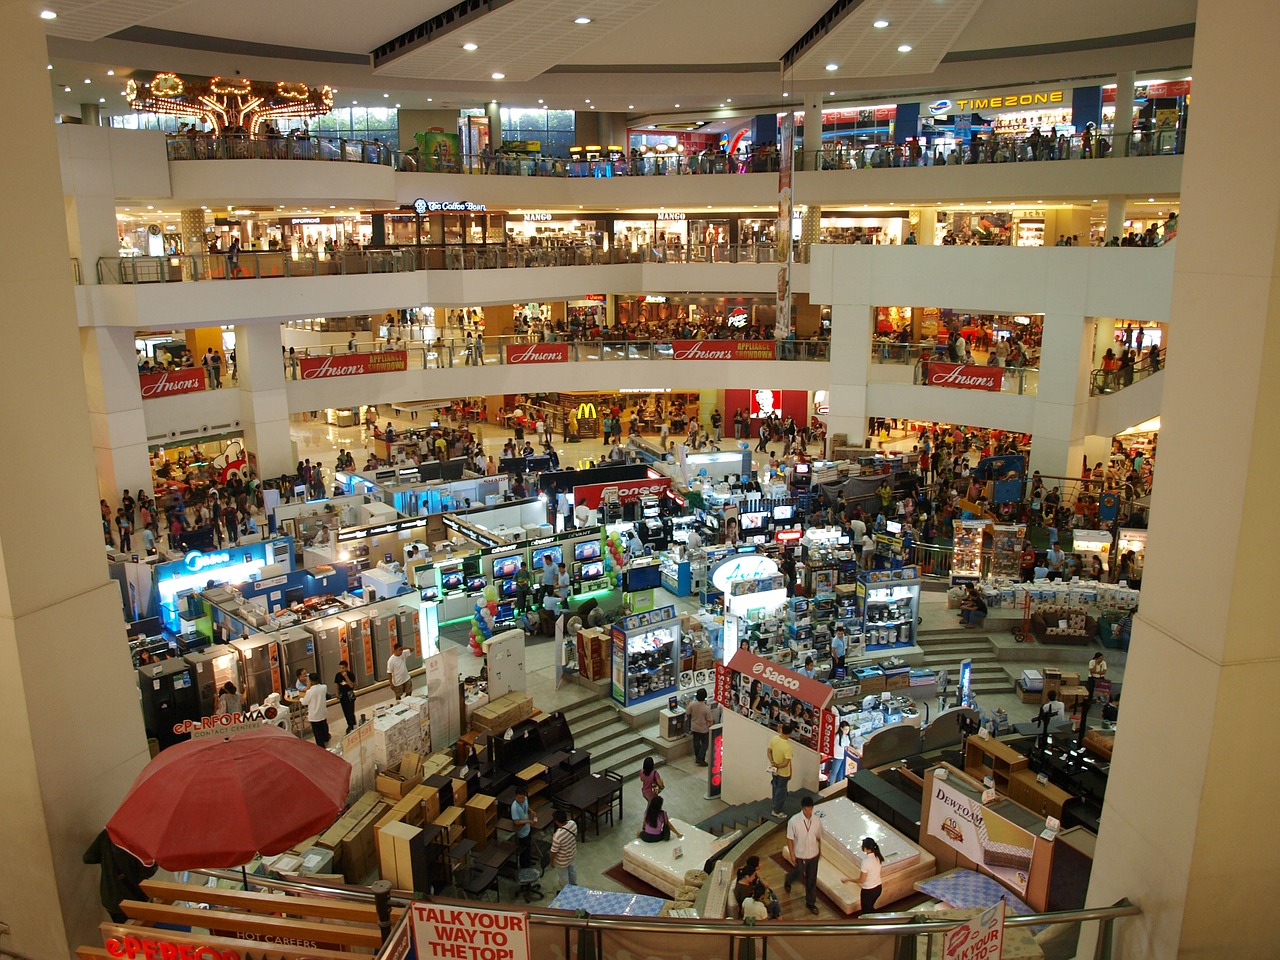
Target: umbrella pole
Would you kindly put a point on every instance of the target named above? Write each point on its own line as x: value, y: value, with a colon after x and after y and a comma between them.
x: 244, y: 875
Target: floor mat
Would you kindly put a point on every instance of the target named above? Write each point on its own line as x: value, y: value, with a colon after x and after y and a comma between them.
x: 618, y: 875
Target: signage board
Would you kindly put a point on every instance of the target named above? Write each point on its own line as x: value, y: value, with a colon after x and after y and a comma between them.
x: 998, y: 846
x: 724, y: 350
x: 742, y: 566
x: 536, y: 353
x: 471, y: 933
x: 978, y: 938
x: 715, y: 766
x: 626, y: 491
x: 171, y: 382
x: 135, y: 943
x: 772, y: 695
x: 352, y: 364
x: 229, y: 724
x: 1010, y: 101
x: 963, y: 376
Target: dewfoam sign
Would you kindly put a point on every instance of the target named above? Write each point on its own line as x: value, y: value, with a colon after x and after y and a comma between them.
x: 469, y: 934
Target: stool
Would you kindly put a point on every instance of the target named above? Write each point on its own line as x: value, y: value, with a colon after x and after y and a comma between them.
x: 529, y: 886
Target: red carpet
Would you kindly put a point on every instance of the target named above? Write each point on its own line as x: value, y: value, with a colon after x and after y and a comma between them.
x: 620, y: 876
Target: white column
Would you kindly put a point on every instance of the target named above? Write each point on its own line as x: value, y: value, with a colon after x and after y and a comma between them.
x: 264, y: 404
x: 91, y: 228
x: 1059, y: 417
x: 850, y: 354
x: 1115, y: 217
x: 1189, y: 830
x: 72, y: 729
x: 115, y: 411
x: 1123, y: 124
x: 812, y: 131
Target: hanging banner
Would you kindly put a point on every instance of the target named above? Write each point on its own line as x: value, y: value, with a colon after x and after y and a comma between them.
x: 981, y: 937
x: 172, y: 382
x: 786, y: 161
x: 627, y: 491
x: 723, y: 350
x: 536, y: 353
x: 963, y: 376
x: 998, y: 846
x: 353, y: 364
x: 469, y: 932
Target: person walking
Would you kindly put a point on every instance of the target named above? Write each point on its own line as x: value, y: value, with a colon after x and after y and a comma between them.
x: 779, y: 753
x: 398, y: 671
x: 316, y: 700
x: 1097, y: 671
x: 345, y: 682
x: 869, y: 878
x: 650, y: 780
x: 840, y: 753
x: 564, y: 848
x: 839, y: 647
x: 700, y: 726
x: 522, y: 822
x: 804, y: 841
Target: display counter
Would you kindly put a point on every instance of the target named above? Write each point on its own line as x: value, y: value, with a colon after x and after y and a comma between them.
x: 676, y: 575
x: 890, y: 601
x: 645, y: 650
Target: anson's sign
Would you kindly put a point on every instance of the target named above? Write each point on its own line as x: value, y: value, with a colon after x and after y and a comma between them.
x: 537, y: 352
x: 964, y: 376
x: 352, y: 364
x: 172, y: 382
x: 724, y: 350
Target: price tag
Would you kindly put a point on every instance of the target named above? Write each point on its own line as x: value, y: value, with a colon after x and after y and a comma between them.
x: 988, y: 796
x: 988, y: 782
x: 1052, y: 823
x: 1042, y: 779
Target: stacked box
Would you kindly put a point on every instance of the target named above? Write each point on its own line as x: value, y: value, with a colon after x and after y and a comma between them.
x: 594, y: 653
x: 400, y: 730
x: 359, y: 847
x: 396, y: 781
x: 499, y: 715
x: 394, y: 860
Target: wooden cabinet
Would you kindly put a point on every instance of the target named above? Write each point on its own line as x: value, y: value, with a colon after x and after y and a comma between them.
x: 1071, y: 865
x: 991, y: 758
x: 1041, y: 798
x: 481, y: 818
x: 452, y: 821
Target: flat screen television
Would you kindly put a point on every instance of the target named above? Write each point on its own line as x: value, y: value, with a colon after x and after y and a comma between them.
x: 801, y: 468
x: 586, y: 550
x: 452, y: 581
x: 476, y: 583
x: 506, y: 613
x: 593, y: 570
x: 782, y: 512
x: 429, y: 593
x: 508, y: 588
x: 504, y: 567
x: 643, y: 578
x: 752, y: 521
x: 540, y: 553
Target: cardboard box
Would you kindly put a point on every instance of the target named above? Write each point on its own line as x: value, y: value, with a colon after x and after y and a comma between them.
x: 497, y: 716
x: 1025, y: 695
x: 898, y: 681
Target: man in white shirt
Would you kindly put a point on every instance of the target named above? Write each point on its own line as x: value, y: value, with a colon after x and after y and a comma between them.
x: 316, y: 700
x: 804, y: 841
x: 398, y: 671
x: 562, y: 583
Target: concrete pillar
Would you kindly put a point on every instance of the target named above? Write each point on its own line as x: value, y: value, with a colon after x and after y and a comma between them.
x: 191, y: 223
x: 1190, y: 812
x: 73, y: 739
x: 493, y: 110
x: 90, y: 115
x: 850, y: 334
x: 1123, y: 124
x: 264, y: 404
x: 1115, y: 217
x: 921, y: 225
x: 91, y: 230
x: 1059, y: 417
x: 116, y: 416
x: 810, y: 229
x: 812, y: 131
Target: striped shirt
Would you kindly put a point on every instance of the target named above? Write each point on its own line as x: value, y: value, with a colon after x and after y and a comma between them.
x: 564, y: 844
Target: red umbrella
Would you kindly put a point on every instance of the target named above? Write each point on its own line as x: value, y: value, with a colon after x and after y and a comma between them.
x: 218, y: 801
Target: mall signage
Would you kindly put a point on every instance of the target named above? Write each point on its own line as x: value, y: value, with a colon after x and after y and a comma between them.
x: 772, y: 695
x: 469, y: 932
x: 537, y: 352
x: 172, y: 382
x: 1010, y: 101
x: 450, y: 206
x: 964, y: 376
x: 724, y: 350
x: 999, y: 846
x: 979, y: 938
x: 627, y: 491
x: 353, y: 364
x: 134, y: 943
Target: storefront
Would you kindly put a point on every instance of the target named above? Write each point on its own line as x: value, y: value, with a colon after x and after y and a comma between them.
x: 537, y: 228
x: 879, y: 227
x: 439, y: 226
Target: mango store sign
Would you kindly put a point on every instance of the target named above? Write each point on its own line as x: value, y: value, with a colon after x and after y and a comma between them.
x: 469, y: 934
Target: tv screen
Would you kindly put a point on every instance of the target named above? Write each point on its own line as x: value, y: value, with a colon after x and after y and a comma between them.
x: 452, y: 581
x: 506, y: 612
x: 554, y: 553
x: 643, y: 578
x: 802, y: 468
x: 476, y: 583
x: 782, y: 512
x: 429, y: 593
x: 586, y: 550
x: 893, y: 526
x: 593, y: 570
x: 509, y: 588
x: 752, y: 521
x: 505, y: 567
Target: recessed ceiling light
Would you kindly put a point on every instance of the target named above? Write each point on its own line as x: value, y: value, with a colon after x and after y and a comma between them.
x: 582, y: 21
x: 102, y: 99
x: 429, y: 100
x: 332, y: 207
x: 150, y: 207
x: 355, y: 102
x: 586, y: 101
x: 397, y: 106
x: 470, y: 47
x: 51, y: 66
x: 386, y: 96
x: 48, y: 15
x: 631, y: 106
x: 831, y: 93
x: 833, y: 67
x: 1151, y: 199
x: 880, y: 24
x: 904, y: 48
x: 66, y: 89
x: 498, y: 76
x: 540, y: 100
x: 728, y: 99
x: 677, y: 104
x: 722, y: 105
x: 786, y: 94
x: 87, y: 80
x: 111, y: 73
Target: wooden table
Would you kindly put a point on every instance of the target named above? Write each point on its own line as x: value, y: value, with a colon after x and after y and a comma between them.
x: 591, y: 797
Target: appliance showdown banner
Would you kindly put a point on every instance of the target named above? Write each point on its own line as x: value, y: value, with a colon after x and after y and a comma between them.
x: 724, y: 350
x: 172, y: 382
x: 998, y: 846
x: 964, y: 376
x: 352, y: 364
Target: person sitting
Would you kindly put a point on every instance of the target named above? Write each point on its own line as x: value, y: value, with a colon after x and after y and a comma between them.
x: 973, y: 609
x: 657, y: 826
x: 750, y: 889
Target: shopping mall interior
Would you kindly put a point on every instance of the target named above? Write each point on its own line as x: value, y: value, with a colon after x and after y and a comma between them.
x: 549, y: 463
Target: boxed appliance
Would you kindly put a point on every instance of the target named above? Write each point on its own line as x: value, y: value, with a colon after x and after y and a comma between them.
x: 1032, y: 681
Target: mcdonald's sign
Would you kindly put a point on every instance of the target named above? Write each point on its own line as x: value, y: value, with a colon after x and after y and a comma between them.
x: 586, y: 411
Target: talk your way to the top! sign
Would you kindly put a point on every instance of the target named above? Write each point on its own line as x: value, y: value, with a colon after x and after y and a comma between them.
x: 458, y: 933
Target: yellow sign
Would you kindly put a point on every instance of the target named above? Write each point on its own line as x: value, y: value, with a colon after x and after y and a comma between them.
x: 1009, y: 101
x: 587, y: 411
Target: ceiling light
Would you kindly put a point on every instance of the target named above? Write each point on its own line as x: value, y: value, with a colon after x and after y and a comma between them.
x: 833, y: 67
x: 728, y: 99
x: 355, y: 102
x: 470, y: 47
x: 102, y: 99
x: 586, y: 101
x: 722, y: 105
x: 429, y: 100
x: 540, y: 100
x: 66, y: 89
x: 677, y: 104
x: 48, y: 15
x: 51, y: 66
x: 904, y: 48
x: 880, y: 24
x: 786, y: 94
x: 582, y: 21
x: 631, y: 106
x: 111, y: 73
x: 498, y: 76
x: 831, y: 93
x: 87, y: 80
x: 386, y: 96
x: 150, y: 207
x: 1151, y: 199
x: 397, y: 106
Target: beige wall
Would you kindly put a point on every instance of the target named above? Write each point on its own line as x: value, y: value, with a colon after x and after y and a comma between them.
x: 420, y: 121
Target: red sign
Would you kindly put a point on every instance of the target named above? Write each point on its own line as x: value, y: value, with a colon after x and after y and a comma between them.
x: 172, y: 382
x: 1175, y: 88
x: 963, y: 376
x: 753, y: 685
x: 595, y: 298
x: 353, y: 364
x: 788, y: 536
x: 537, y: 352
x: 627, y: 491
x: 724, y: 350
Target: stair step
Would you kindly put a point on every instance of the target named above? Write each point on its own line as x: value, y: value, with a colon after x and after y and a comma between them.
x: 593, y: 722
x: 587, y: 708
x: 600, y: 734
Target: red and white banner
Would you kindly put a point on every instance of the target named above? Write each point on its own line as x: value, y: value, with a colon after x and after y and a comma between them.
x: 537, y: 352
x: 980, y: 938
x: 751, y: 686
x: 172, y: 382
x: 1173, y: 88
x: 963, y: 376
x: 352, y: 364
x: 724, y: 350
x: 628, y: 491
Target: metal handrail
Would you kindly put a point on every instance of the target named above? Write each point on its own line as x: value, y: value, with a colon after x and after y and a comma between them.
x: 1023, y: 381
x: 1102, y: 382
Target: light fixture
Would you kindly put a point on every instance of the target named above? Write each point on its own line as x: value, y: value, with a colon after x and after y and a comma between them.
x: 429, y: 100
x: 111, y: 73
x: 355, y: 102
x: 880, y: 24
x: 831, y: 93
x: 582, y: 21
x: 631, y: 106
x: 470, y: 47
x: 66, y: 89
x: 48, y: 15
x: 540, y: 100
x: 586, y: 101
x: 1151, y: 199
x: 498, y: 76
x: 150, y: 207
x: 51, y: 66
x: 722, y: 106
x: 87, y: 80
x: 904, y: 48
x: 102, y: 99
x: 386, y: 96
x: 785, y: 94
x: 728, y: 99
x: 677, y: 104
x: 397, y: 106
x: 832, y: 67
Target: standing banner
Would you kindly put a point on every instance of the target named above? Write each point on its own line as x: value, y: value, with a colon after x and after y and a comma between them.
x: 469, y: 932
x: 996, y: 845
x: 786, y: 161
x: 981, y: 937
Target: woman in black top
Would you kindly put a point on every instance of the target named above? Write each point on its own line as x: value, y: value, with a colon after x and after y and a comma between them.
x: 345, y: 682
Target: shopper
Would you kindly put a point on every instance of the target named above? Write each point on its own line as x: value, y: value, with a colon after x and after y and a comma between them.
x: 564, y: 848
x: 125, y: 529
x: 804, y: 842
x: 1028, y: 562
x: 700, y: 726
x: 522, y: 588
x: 839, y: 647
x: 869, y: 878
x: 779, y: 755
x: 650, y: 780
x: 1097, y: 671
x: 657, y: 826
x: 750, y: 887
x: 522, y: 822
x: 229, y: 700
x: 562, y: 585
x: 840, y: 754
x: 1055, y: 560
x: 316, y: 700
x: 398, y: 671
x: 345, y: 683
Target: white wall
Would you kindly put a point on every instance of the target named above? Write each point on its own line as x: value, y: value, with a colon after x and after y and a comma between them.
x: 746, y: 764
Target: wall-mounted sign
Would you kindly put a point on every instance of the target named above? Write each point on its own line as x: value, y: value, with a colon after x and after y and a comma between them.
x: 753, y: 687
x: 742, y: 566
x: 1009, y: 101
x: 172, y: 382
x: 353, y: 364
x: 536, y: 352
x: 624, y: 491
x: 668, y: 216
x: 195, y: 561
x: 537, y: 217
x: 452, y: 206
x: 439, y: 930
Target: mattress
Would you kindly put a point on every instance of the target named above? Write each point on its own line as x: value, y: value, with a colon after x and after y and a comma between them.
x: 964, y: 889
x: 845, y: 823
x: 607, y: 902
x: 657, y: 864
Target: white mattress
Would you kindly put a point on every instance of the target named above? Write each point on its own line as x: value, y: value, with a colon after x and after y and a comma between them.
x: 845, y: 823
x: 656, y: 863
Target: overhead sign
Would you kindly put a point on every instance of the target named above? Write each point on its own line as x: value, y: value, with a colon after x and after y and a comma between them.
x: 738, y: 317
x: 979, y: 938
x: 196, y: 561
x: 172, y: 382
x: 724, y: 350
x: 452, y: 206
x: 353, y: 364
x: 742, y: 566
x: 134, y: 943
x: 1009, y: 101
x: 537, y: 217
x: 625, y: 491
x: 227, y: 724
x: 536, y: 352
x: 469, y: 933
x: 964, y: 376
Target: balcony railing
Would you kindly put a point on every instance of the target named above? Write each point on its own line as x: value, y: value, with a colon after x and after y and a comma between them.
x: 1016, y: 379
x: 1110, y: 381
x: 199, y: 146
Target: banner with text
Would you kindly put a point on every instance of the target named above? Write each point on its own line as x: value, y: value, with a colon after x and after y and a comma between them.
x: 772, y: 695
x: 996, y: 845
x: 980, y: 938
x: 626, y: 491
x: 468, y: 933
x: 352, y: 364
x: 724, y: 350
x: 964, y: 376
x: 536, y: 352
x: 171, y: 382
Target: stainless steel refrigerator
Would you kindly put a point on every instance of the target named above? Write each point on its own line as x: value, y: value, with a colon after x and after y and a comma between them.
x: 261, y: 667
x: 214, y: 666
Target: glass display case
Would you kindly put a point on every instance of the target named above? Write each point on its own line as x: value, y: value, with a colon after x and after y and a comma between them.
x: 966, y: 561
x: 890, y: 607
x: 645, y: 647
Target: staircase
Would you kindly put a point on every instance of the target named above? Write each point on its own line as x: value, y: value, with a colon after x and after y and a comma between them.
x: 747, y: 816
x: 944, y: 649
x: 613, y: 744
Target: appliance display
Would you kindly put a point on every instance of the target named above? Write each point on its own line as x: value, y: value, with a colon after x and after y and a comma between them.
x: 451, y: 579
x: 783, y: 512
x: 506, y: 613
x: 643, y: 577
x: 592, y: 570
x: 586, y: 550
x: 213, y: 667
x: 260, y: 659
x: 504, y: 567
x: 475, y: 584
x: 508, y: 588
x: 168, y: 697
x: 541, y: 553
x: 890, y: 607
x: 645, y: 647
x: 297, y: 652
x: 752, y: 521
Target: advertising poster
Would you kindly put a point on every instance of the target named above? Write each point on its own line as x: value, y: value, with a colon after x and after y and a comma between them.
x: 352, y: 364
x: 172, y: 382
x: 441, y: 152
x: 469, y: 932
x: 786, y: 161
x: 771, y: 695
x: 536, y: 353
x: 724, y: 350
x: 963, y: 376
x: 981, y: 938
x: 996, y: 845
